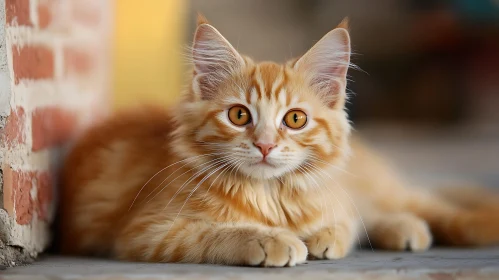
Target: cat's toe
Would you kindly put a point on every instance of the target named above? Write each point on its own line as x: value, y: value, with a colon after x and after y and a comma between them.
x: 419, y: 240
x: 276, y: 250
x: 329, y: 244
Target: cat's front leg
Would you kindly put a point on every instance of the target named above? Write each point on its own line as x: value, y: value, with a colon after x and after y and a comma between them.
x: 194, y: 241
x: 333, y: 242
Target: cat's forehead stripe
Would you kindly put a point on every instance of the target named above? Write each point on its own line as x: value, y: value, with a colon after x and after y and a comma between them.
x: 269, y: 73
x: 255, y: 83
x: 279, y: 83
x: 250, y: 95
x: 268, y: 79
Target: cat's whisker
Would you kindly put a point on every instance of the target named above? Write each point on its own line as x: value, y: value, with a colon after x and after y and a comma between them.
x: 195, y: 175
x: 213, y: 146
x: 231, y: 162
x: 318, y: 187
x: 238, y: 162
x: 335, y: 197
x: 157, y: 173
x: 330, y: 191
x: 354, y: 205
x: 192, y: 192
x: 331, y: 165
x: 322, y: 200
x: 209, y: 143
x: 280, y: 180
x: 190, y: 179
x: 239, y: 166
x: 217, y: 167
x: 164, y: 180
x: 233, y: 169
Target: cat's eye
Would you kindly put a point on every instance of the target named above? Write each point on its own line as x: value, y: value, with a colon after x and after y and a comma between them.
x: 295, y: 119
x: 239, y: 115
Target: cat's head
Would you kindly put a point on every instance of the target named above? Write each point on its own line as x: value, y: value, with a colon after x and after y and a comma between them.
x: 266, y: 120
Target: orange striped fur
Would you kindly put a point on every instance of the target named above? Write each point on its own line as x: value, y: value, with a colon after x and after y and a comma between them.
x: 189, y: 185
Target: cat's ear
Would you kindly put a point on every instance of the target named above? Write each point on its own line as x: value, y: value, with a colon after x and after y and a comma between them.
x: 325, y: 65
x: 214, y: 59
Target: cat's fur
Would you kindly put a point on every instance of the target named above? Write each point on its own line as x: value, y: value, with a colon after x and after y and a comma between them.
x: 186, y: 185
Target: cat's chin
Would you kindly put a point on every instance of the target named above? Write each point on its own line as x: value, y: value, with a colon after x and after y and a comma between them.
x: 264, y: 170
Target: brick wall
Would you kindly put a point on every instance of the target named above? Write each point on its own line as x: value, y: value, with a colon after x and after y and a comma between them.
x: 54, y: 77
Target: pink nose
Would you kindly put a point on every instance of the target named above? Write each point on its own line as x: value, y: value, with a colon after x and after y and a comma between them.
x: 265, y: 148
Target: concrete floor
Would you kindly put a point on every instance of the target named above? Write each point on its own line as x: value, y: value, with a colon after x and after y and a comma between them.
x: 437, y: 264
x: 426, y: 156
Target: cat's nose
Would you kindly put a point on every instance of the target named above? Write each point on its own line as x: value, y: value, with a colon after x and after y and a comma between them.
x: 265, y: 148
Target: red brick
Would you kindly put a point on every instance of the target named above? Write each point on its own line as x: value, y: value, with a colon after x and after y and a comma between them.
x: 17, y: 11
x: 22, y: 184
x: 44, y: 14
x: 17, y: 194
x: 32, y: 62
x: 8, y: 194
x: 44, y: 184
x: 19, y: 184
x: 13, y: 132
x: 52, y: 126
x: 77, y: 61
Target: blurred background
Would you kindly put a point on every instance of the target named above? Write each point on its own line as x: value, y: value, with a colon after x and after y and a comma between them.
x: 428, y: 95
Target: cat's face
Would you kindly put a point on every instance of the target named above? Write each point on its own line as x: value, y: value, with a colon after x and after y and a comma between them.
x: 266, y: 120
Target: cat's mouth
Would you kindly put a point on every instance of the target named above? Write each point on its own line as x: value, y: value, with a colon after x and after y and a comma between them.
x: 264, y: 169
x: 264, y: 162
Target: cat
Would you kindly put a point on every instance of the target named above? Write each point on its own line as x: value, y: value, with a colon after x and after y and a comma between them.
x: 255, y: 166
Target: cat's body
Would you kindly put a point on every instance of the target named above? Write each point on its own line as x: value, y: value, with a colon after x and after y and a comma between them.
x: 229, y: 177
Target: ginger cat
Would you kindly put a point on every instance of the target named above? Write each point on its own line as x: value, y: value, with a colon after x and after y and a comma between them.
x: 253, y: 167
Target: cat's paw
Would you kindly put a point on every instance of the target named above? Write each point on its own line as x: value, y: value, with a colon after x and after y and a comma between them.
x: 330, y: 243
x: 276, y: 248
x: 402, y: 232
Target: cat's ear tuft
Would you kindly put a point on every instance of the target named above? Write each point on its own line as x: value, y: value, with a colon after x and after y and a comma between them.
x: 325, y: 66
x: 201, y: 19
x: 214, y: 60
x: 345, y: 23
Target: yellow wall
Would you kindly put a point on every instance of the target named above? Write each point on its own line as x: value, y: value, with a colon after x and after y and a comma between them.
x: 148, y: 48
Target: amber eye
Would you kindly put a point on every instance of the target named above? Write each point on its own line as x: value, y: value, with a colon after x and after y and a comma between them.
x: 295, y: 119
x: 239, y: 115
